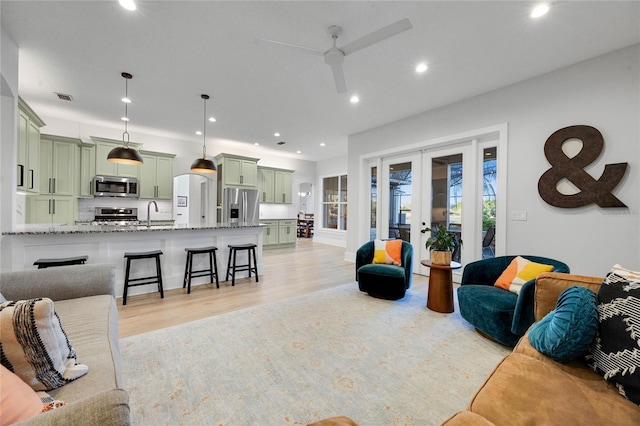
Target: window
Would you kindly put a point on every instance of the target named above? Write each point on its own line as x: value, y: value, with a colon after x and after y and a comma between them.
x: 334, y: 202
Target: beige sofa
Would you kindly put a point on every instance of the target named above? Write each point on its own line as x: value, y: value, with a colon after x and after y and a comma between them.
x: 84, y: 299
x: 528, y: 388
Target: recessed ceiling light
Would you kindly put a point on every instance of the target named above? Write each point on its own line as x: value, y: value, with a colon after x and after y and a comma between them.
x: 354, y: 99
x: 212, y: 119
x: 298, y: 152
x: 198, y: 132
x: 323, y: 144
x: 422, y: 67
x: 124, y: 118
x: 128, y: 4
x: 256, y: 144
x: 126, y: 100
x: 276, y: 134
x: 540, y: 10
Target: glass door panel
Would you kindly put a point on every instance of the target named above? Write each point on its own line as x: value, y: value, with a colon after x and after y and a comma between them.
x: 373, y: 207
x: 489, y: 197
x: 400, y: 200
x: 446, y: 196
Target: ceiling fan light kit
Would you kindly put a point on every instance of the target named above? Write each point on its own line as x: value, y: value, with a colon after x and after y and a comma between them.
x: 204, y: 165
x: 334, y: 56
x: 124, y: 154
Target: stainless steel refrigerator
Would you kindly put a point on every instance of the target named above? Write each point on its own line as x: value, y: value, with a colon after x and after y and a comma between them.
x: 240, y: 206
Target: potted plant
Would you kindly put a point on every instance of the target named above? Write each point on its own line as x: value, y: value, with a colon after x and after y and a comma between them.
x: 441, y: 244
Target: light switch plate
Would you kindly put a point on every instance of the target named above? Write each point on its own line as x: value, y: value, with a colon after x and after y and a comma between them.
x: 518, y: 215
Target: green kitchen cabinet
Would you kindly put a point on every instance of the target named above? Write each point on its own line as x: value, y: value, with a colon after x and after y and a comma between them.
x: 266, y: 184
x: 287, y: 231
x: 58, y: 165
x: 237, y: 171
x: 29, y: 125
x: 283, y: 185
x: 275, y: 185
x: 52, y: 209
x: 156, y: 176
x: 270, y: 232
x: 107, y: 168
x: 87, y: 170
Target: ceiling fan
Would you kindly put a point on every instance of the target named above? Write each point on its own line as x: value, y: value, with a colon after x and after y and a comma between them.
x: 334, y: 56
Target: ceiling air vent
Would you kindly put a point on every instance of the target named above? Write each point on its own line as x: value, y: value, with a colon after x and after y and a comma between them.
x: 64, y: 97
x: 280, y: 143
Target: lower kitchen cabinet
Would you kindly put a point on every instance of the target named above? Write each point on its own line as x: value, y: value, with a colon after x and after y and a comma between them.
x: 279, y: 233
x: 52, y: 209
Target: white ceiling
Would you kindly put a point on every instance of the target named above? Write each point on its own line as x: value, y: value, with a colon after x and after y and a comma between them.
x: 177, y: 50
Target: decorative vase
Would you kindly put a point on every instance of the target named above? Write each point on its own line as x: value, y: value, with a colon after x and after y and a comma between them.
x: 440, y: 257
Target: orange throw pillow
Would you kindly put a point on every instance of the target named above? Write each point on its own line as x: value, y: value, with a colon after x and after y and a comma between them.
x: 388, y: 252
x: 519, y: 271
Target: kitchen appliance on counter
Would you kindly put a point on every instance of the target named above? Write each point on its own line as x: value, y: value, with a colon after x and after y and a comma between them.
x: 116, y: 216
x: 111, y: 186
x: 240, y: 206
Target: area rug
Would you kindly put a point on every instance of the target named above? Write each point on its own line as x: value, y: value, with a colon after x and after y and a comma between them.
x: 334, y: 352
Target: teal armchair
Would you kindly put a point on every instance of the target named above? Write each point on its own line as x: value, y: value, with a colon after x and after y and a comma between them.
x: 380, y: 280
x: 500, y: 314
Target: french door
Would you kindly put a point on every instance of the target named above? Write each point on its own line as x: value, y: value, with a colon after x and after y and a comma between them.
x: 454, y: 186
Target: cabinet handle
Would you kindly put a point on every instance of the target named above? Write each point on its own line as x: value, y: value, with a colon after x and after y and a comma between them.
x: 50, y: 187
x: 241, y: 179
x: 283, y: 197
x: 32, y: 180
x: 288, y: 229
x: 20, y: 175
x: 264, y: 196
x: 54, y: 190
x: 268, y: 231
x: 54, y: 206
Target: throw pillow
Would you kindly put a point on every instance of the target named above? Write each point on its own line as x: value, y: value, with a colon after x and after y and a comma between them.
x: 388, y: 252
x: 615, y: 352
x: 2, y: 299
x: 18, y: 401
x: 519, y: 271
x: 565, y: 333
x: 35, y: 347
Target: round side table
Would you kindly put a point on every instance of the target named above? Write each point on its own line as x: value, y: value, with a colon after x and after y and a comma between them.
x: 440, y: 297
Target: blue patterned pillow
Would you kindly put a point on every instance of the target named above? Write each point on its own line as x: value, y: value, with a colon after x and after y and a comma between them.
x: 615, y: 352
x: 566, y: 332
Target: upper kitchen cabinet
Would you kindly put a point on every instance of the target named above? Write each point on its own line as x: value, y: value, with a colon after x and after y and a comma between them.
x: 275, y: 185
x: 156, y: 175
x: 29, y: 125
x: 237, y: 171
x: 87, y: 169
x: 58, y: 165
x: 107, y: 168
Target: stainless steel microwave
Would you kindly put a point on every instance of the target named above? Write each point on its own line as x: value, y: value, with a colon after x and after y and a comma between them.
x: 111, y: 186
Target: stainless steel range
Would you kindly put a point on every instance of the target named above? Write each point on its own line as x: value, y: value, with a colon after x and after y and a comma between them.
x: 116, y: 216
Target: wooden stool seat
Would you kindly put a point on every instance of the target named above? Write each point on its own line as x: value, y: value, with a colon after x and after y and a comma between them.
x: 154, y: 254
x: 233, y: 268
x: 48, y: 263
x: 211, y: 272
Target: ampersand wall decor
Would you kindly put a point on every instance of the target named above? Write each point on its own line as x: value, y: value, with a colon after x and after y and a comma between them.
x: 591, y: 190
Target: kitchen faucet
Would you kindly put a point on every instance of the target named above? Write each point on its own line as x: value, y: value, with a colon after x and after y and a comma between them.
x: 149, y: 212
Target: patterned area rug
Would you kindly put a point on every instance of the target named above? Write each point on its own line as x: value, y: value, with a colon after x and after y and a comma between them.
x: 334, y: 352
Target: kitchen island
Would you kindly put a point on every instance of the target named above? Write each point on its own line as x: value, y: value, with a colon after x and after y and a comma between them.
x: 107, y: 244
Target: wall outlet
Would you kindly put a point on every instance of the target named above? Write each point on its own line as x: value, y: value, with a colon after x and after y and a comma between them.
x: 518, y: 215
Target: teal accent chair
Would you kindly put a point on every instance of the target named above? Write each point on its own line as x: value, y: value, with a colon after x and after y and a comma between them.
x: 381, y: 280
x: 497, y: 313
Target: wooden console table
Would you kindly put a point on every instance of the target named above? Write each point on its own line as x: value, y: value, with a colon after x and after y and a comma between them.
x: 440, y: 297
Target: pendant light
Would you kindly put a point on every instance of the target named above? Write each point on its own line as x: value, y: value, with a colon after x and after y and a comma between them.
x: 204, y: 165
x: 124, y: 154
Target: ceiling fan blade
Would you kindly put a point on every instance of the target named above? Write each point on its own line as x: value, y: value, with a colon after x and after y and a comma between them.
x: 290, y: 46
x: 376, y: 36
x: 338, y: 76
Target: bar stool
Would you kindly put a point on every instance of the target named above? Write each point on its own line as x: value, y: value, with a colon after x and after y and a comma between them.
x: 155, y: 254
x: 63, y: 261
x: 188, y: 268
x: 233, y: 251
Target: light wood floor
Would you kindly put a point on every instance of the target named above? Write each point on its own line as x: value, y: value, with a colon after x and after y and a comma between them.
x: 287, y: 273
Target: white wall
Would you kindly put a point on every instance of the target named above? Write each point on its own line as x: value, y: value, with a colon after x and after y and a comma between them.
x: 603, y: 92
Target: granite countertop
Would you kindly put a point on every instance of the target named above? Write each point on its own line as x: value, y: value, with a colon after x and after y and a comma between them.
x: 52, y: 229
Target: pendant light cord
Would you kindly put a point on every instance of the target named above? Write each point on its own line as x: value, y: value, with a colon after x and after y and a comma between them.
x: 126, y: 76
x: 204, y: 127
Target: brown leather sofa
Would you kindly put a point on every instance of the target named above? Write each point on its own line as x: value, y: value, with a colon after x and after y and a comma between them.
x: 528, y: 388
